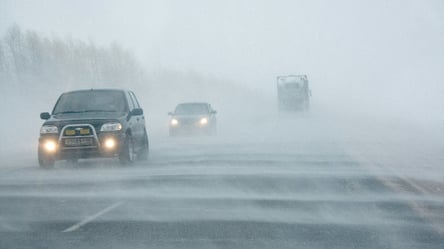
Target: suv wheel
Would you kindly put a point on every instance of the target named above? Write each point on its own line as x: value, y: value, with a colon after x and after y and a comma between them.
x: 45, y: 161
x: 127, y: 154
x: 144, y: 151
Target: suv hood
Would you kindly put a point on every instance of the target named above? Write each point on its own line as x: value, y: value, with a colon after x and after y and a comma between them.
x: 191, y: 116
x: 87, y: 116
x: 96, y: 119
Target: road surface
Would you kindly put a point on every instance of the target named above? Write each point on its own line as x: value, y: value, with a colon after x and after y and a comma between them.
x: 258, y: 190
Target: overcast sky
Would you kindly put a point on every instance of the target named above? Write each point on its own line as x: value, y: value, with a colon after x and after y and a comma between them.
x: 360, y: 45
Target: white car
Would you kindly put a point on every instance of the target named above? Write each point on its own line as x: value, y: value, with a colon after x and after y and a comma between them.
x: 193, y: 119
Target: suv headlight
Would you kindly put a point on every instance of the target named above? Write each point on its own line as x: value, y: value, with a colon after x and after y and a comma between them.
x: 49, y: 129
x: 111, y: 127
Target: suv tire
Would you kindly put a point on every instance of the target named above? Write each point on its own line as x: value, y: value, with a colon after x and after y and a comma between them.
x: 45, y: 161
x: 144, y: 151
x: 127, y: 155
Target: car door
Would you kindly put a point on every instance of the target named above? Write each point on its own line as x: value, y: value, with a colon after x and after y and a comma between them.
x: 139, y: 122
x: 212, y: 114
x: 132, y: 120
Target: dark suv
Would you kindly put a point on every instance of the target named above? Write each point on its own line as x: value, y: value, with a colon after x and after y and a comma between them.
x: 93, y: 123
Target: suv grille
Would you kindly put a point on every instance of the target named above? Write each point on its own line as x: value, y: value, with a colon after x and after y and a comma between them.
x: 78, y: 136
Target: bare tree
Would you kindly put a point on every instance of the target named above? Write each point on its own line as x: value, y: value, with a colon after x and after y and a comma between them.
x: 33, y: 61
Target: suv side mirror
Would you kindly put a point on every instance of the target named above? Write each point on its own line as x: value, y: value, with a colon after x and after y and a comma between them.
x: 170, y: 113
x: 45, y: 115
x: 136, y: 112
x: 213, y: 112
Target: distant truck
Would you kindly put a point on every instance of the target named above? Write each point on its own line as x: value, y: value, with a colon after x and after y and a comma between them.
x: 293, y: 93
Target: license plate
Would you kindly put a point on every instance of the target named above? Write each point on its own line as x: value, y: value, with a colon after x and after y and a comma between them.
x: 78, y: 141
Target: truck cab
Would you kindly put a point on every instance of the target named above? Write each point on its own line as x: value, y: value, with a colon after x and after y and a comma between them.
x: 293, y: 93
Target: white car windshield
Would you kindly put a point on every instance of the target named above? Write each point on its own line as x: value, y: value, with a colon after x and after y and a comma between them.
x: 191, y: 109
x: 91, y: 101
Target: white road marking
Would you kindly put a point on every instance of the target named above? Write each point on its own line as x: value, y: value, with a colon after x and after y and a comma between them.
x: 91, y: 218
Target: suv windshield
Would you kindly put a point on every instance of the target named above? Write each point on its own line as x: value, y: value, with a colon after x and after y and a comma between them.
x: 191, y: 109
x: 91, y: 101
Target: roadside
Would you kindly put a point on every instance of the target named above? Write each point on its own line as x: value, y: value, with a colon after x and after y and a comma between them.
x: 407, y: 159
x: 15, y: 160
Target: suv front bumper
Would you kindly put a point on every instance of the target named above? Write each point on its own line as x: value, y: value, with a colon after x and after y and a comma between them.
x: 107, y: 144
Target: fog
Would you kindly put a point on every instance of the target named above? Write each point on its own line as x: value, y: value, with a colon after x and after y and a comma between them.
x: 368, y: 62
x: 380, y: 60
x: 375, y: 70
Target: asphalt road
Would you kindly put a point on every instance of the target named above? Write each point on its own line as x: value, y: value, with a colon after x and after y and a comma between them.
x: 208, y: 192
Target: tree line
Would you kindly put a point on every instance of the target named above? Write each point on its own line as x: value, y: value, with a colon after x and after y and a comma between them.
x: 39, y: 67
x: 31, y: 61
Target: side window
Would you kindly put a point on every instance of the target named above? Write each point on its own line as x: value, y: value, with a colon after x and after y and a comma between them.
x: 133, y: 97
x: 130, y: 101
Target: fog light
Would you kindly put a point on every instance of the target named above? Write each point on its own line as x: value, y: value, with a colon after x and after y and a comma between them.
x: 50, y: 146
x: 110, y: 143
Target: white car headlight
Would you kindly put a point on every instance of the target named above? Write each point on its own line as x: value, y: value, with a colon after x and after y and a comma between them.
x: 111, y: 127
x: 203, y: 121
x: 49, y: 129
x: 174, y: 122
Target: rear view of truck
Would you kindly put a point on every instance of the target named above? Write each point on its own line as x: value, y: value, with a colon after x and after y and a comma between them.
x: 293, y: 93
